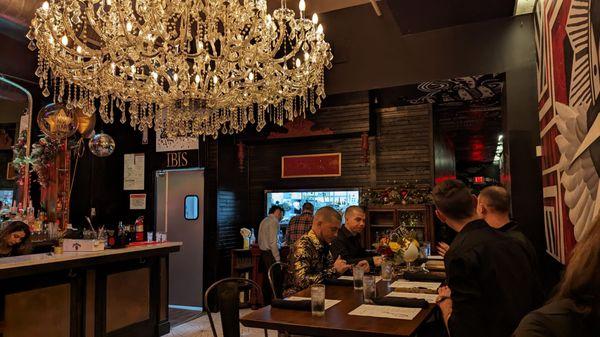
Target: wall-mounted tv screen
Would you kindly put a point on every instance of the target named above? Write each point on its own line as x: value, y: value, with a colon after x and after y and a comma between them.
x: 292, y: 200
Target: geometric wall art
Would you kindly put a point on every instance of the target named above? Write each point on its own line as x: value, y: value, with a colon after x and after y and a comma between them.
x: 568, y: 76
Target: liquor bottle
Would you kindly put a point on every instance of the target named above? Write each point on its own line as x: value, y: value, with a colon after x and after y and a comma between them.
x: 139, y: 229
x: 30, y: 214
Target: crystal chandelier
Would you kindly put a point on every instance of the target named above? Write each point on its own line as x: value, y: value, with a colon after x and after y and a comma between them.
x: 184, y: 67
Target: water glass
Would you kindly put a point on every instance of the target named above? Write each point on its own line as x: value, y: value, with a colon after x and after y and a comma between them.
x: 387, y: 269
x: 357, y: 275
x: 317, y: 300
x: 425, y: 249
x: 368, y: 288
x: 150, y: 236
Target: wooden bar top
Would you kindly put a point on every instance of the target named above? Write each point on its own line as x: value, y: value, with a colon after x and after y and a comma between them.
x: 31, y: 263
x: 336, y: 321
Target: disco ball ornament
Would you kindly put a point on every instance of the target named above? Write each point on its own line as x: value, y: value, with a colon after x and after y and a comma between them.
x: 102, y: 145
x: 56, y: 121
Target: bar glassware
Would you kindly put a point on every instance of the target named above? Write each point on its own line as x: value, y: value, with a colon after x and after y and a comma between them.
x: 368, y: 288
x: 387, y: 269
x: 357, y: 275
x: 317, y: 300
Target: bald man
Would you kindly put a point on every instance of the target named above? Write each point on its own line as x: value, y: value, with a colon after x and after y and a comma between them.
x: 348, y: 243
x: 312, y: 262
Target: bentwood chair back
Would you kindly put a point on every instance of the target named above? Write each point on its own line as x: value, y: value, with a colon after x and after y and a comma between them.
x: 276, y: 274
x: 228, y: 303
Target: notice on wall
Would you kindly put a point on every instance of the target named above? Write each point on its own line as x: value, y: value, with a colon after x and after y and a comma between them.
x: 137, y: 201
x: 133, y: 173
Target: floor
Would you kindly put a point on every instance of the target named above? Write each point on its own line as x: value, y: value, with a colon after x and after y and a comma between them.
x: 200, y: 327
x: 178, y: 316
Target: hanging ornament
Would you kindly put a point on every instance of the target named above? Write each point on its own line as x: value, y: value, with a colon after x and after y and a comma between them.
x: 85, y: 124
x: 102, y: 145
x: 56, y: 121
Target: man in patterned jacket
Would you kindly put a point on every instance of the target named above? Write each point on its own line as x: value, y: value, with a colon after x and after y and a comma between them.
x: 311, y: 262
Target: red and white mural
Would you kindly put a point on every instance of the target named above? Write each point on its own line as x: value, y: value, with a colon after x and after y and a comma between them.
x: 567, y: 41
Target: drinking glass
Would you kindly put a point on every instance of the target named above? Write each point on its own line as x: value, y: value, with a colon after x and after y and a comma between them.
x: 357, y: 275
x: 411, y: 255
x: 425, y: 249
x: 317, y: 300
x: 368, y: 288
x: 386, y: 270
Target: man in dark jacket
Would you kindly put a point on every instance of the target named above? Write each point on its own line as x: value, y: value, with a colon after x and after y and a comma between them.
x: 348, y: 243
x: 490, y: 279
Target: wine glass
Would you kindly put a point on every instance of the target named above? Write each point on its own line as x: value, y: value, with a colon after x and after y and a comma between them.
x: 411, y: 254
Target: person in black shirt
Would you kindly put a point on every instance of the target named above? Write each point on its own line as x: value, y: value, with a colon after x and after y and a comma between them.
x: 575, y: 309
x: 490, y: 278
x: 348, y: 243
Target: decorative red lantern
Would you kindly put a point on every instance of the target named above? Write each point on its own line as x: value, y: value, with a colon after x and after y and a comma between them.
x: 365, y: 147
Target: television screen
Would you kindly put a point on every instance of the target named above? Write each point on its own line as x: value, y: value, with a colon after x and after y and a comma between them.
x: 292, y: 200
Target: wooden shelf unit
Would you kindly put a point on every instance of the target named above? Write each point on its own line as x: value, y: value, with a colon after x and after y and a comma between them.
x: 381, y: 218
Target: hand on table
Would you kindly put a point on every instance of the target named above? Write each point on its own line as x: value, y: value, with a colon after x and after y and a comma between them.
x: 340, y: 265
x: 444, y: 301
x: 364, y: 265
x: 442, y: 248
x: 377, y: 260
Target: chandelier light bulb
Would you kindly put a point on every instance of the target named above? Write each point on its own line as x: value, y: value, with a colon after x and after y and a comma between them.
x: 197, y: 79
x: 175, y: 77
x: 51, y: 40
x: 132, y: 69
x: 129, y: 26
x: 215, y: 79
x: 298, y: 63
x: 155, y: 75
x: 302, y: 5
x: 315, y: 18
x: 45, y: 5
x: 79, y: 49
x: 251, y: 76
x: 320, y: 29
x: 64, y: 40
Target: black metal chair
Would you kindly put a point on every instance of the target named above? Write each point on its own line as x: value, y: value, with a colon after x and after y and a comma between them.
x: 228, y: 303
x: 276, y: 275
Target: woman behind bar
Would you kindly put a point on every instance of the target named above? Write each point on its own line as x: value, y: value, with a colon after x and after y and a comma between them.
x: 14, y: 239
x: 575, y: 309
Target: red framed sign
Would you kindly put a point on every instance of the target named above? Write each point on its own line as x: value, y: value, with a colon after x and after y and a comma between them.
x: 312, y: 165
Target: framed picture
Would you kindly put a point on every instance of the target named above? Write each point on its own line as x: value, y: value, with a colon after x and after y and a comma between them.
x: 312, y: 165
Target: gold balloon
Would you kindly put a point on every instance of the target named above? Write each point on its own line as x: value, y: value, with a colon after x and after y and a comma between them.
x: 85, y: 124
x: 56, y: 121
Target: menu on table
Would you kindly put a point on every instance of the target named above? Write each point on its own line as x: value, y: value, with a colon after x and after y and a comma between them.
x: 414, y: 284
x: 385, y: 311
x: 328, y: 303
x: 427, y: 297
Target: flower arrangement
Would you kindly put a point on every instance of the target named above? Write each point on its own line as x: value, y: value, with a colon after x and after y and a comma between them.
x: 42, y: 154
x: 395, y: 244
x: 403, y: 193
x: 20, y: 159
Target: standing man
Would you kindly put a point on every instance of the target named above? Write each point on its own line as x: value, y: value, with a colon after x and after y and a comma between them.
x: 311, y: 261
x: 348, y: 244
x: 299, y: 224
x: 268, y: 232
x: 491, y: 284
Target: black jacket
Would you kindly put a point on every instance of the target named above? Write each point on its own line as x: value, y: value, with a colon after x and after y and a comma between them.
x: 560, y: 318
x: 492, y: 282
x: 349, y: 247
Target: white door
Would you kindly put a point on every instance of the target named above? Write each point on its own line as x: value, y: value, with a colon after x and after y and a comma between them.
x: 180, y: 213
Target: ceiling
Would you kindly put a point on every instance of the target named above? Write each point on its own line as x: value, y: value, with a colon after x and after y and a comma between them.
x: 411, y: 16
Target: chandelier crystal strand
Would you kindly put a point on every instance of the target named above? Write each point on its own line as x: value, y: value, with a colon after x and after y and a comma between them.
x: 183, y: 67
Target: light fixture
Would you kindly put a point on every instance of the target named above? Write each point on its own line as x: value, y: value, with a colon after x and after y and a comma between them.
x: 184, y: 67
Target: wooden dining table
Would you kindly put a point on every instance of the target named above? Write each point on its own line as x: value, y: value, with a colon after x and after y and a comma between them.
x: 337, y: 322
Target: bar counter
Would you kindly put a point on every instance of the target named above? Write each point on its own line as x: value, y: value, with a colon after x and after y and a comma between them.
x: 115, y: 292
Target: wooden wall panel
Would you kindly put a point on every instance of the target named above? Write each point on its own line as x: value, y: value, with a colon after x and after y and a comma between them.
x: 404, y: 144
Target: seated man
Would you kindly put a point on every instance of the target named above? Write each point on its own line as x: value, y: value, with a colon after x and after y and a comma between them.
x: 311, y: 261
x: 348, y: 244
x: 491, y: 284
